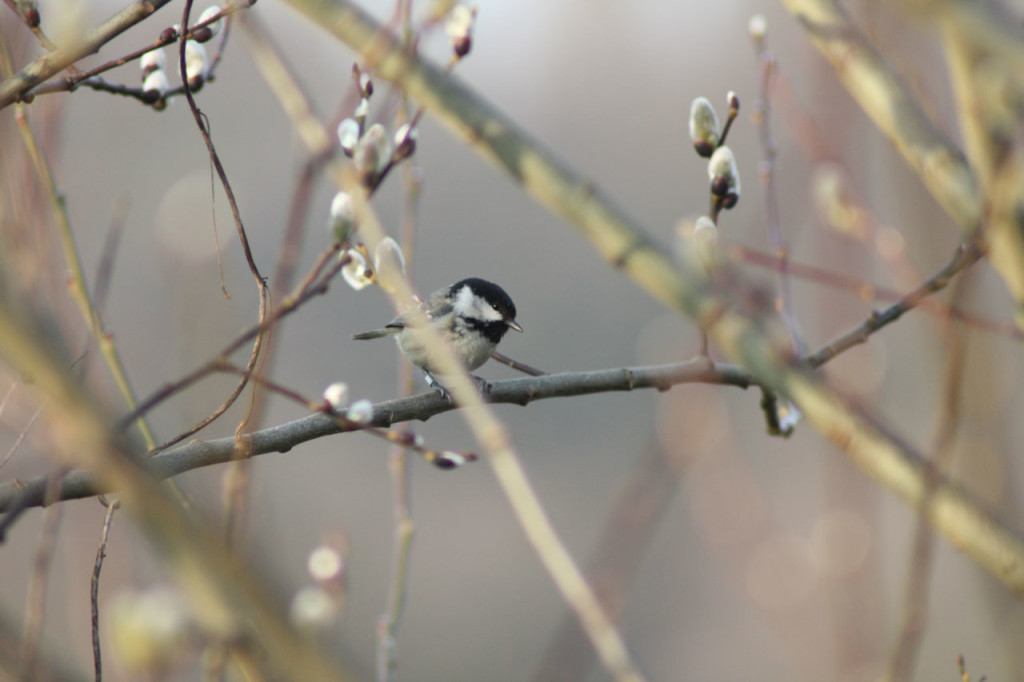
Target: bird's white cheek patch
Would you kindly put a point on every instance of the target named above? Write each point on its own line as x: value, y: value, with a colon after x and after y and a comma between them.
x: 463, y: 303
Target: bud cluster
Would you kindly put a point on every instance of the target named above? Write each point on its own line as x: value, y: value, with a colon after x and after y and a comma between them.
x: 387, y: 270
x: 196, y: 62
x: 154, y: 75
x: 373, y: 151
x: 207, y: 31
x: 155, y: 83
x: 709, y: 143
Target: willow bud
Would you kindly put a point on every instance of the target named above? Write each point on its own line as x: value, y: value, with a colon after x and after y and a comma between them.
x: 724, y: 176
x: 389, y: 262
x: 342, y: 222
x: 357, y: 272
x: 209, y: 13
x: 154, y: 60
x: 372, y: 154
x: 704, y: 131
x: 460, y: 29
x: 156, y: 85
x: 195, y: 64
x: 705, y: 242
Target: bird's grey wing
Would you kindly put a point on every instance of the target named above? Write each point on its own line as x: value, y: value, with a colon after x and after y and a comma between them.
x: 439, y: 310
x: 435, y: 302
x: 400, y: 322
x: 390, y: 329
x: 435, y: 307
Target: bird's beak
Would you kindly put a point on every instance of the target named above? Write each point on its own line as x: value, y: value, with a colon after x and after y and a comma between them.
x: 514, y: 325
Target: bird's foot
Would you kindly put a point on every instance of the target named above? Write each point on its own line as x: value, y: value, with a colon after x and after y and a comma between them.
x: 482, y: 385
x: 437, y: 386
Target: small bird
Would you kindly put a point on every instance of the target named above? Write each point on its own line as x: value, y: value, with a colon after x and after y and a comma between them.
x: 472, y: 315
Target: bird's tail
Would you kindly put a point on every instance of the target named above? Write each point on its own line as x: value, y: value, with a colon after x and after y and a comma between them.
x: 375, y: 334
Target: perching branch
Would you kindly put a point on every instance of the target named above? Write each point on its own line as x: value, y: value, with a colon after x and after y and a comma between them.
x: 284, y: 437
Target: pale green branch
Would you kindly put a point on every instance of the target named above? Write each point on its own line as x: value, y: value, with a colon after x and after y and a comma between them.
x: 736, y: 315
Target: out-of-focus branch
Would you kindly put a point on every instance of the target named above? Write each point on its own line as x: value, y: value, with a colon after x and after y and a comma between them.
x: 984, y: 86
x: 884, y: 97
x: 77, y: 285
x: 737, y: 315
x: 627, y: 534
x: 903, y: 658
x: 54, y: 62
x: 982, y: 54
x: 227, y: 599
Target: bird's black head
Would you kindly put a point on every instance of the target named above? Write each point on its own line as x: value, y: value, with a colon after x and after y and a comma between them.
x: 485, y: 306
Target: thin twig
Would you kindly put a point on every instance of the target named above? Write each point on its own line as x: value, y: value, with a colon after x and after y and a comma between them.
x: 94, y: 592
x: 517, y: 365
x: 964, y: 256
x: 772, y: 223
x: 111, y: 244
x: 20, y: 439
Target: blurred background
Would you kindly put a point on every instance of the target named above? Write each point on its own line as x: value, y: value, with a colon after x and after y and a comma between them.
x: 769, y: 559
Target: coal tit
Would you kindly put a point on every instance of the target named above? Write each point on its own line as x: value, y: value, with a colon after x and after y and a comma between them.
x: 472, y: 315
